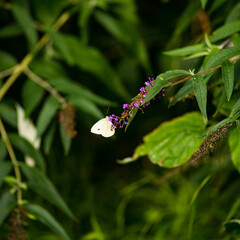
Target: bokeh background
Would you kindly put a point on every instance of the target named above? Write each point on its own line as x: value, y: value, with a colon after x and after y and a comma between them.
x: 139, y: 200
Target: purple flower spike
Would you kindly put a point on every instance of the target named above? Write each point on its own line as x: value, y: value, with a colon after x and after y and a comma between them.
x: 110, y: 118
x: 150, y: 81
x: 142, y: 89
x: 125, y: 106
x: 153, y: 80
x: 136, y: 105
x: 144, y: 95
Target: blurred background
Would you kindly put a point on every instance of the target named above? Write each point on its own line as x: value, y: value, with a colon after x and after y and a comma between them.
x: 109, y: 48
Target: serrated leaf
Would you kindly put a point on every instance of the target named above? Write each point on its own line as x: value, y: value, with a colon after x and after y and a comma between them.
x: 234, y: 144
x: 228, y: 77
x: 26, y: 23
x: 5, y: 168
x: 173, y: 143
x: 236, y: 108
x: 200, y: 90
x: 184, y: 51
x: 225, y: 31
x: 66, y: 141
x: 32, y: 94
x: 8, y: 113
x: 222, y: 56
x: 40, y: 183
x: 27, y: 149
x: 47, y: 219
x: 46, y: 114
x: 11, y: 30
x: 7, y: 203
x: 182, y: 92
x: 233, y: 227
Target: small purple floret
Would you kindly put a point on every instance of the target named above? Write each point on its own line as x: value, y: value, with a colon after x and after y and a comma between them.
x: 144, y: 95
x: 146, y: 104
x: 136, y: 105
x: 125, y: 106
x: 125, y: 122
x: 163, y: 89
x: 141, y: 100
x: 142, y: 89
x: 147, y: 83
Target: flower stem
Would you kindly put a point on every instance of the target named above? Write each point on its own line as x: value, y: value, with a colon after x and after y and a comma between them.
x: 45, y: 85
x: 14, y: 162
x: 29, y: 57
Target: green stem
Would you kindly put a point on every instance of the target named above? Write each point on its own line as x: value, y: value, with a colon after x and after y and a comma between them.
x: 45, y: 85
x: 14, y: 162
x: 29, y: 57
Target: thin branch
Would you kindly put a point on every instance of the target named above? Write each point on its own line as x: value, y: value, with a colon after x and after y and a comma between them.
x: 29, y: 57
x: 14, y: 162
x: 209, y: 70
x: 45, y: 85
x: 7, y: 72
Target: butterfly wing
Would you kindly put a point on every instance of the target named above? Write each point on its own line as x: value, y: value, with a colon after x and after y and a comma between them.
x: 97, y: 127
x: 107, y: 130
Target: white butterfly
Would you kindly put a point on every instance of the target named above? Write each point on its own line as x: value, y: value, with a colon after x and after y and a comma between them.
x: 103, y: 127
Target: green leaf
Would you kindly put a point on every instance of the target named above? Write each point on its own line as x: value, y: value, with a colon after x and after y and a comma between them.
x: 221, y: 101
x: 234, y: 14
x: 236, y: 108
x: 86, y: 106
x: 48, y: 139
x: 61, y: 45
x: 66, y: 141
x: 222, y: 56
x: 6, y: 60
x: 46, y: 11
x: 3, y: 150
x: 186, y: 50
x: 200, y: 90
x: 182, y: 92
x: 46, y: 114
x: 173, y: 143
x: 32, y: 95
x: 173, y: 73
x: 203, y: 3
x: 185, y: 20
x: 25, y: 22
x: 228, y: 76
x: 11, y: 30
x: 91, y: 60
x: 8, y: 113
x: 225, y: 31
x: 7, y: 203
x: 160, y: 84
x: 220, y: 124
x: 233, y: 227
x: 27, y: 148
x: 236, y: 40
x: 40, y: 183
x: 234, y: 143
x: 131, y: 118
x: 47, y: 219
x: 5, y: 168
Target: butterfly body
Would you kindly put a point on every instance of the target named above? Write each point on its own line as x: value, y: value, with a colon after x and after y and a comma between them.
x: 103, y: 127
